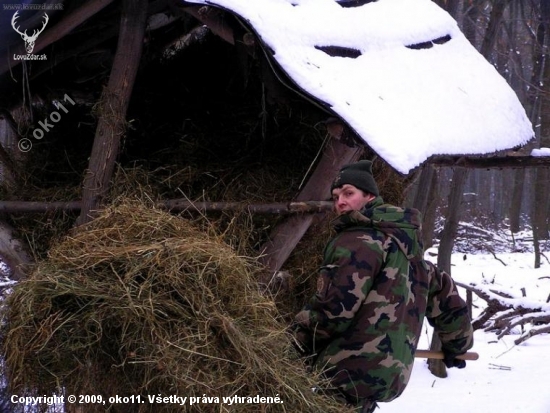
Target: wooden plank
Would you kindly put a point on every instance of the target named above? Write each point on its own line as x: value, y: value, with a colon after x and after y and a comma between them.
x: 286, y: 236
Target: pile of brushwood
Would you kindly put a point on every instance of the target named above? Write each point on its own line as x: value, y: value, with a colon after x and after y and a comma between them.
x: 142, y: 302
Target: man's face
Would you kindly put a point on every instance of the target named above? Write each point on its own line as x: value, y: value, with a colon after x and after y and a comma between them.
x: 349, y: 198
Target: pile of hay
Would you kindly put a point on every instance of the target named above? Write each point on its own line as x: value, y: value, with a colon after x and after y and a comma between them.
x: 141, y: 302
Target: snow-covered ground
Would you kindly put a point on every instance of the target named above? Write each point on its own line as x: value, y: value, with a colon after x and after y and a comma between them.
x: 507, y: 378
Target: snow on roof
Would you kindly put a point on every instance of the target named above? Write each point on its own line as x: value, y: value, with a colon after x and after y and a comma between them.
x: 399, y: 72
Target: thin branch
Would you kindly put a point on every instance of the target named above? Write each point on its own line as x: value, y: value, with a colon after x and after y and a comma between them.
x: 524, y: 319
x: 532, y: 332
x: 496, y: 258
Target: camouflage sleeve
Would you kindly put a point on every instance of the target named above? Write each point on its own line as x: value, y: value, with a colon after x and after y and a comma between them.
x: 447, y: 312
x: 343, y: 282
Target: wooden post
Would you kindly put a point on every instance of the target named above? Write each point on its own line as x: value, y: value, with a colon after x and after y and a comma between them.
x: 113, y: 105
x: 286, y: 236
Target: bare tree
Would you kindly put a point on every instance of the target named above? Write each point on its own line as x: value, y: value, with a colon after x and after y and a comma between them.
x: 424, y: 197
x: 516, y: 37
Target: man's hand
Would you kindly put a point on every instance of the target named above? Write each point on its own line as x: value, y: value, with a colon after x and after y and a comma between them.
x: 450, y: 360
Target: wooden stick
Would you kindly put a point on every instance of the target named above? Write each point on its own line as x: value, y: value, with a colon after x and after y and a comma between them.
x: 176, y: 205
x: 272, y: 208
x: 429, y: 354
x: 38, y: 206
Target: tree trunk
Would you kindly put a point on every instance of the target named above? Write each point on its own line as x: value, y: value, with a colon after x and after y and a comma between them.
x: 517, y: 198
x: 428, y: 222
x: 453, y: 7
x: 445, y: 251
x: 425, y: 200
x: 539, y: 219
x: 113, y: 105
x: 422, y: 193
x: 542, y: 185
x: 469, y: 21
x: 531, y: 100
x: 493, y: 27
x: 452, y: 218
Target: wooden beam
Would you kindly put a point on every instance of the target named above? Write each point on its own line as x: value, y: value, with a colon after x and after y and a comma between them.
x: 112, y: 107
x: 178, y: 205
x: 286, y: 236
x: 271, y: 208
x: 510, y: 161
x: 214, y: 19
x: 11, y: 207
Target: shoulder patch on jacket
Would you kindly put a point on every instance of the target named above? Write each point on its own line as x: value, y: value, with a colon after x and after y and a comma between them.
x: 324, y: 280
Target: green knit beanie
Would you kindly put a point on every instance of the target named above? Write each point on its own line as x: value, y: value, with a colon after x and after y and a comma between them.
x: 358, y: 174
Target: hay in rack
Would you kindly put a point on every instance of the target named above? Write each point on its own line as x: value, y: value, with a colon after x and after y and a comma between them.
x: 142, y: 302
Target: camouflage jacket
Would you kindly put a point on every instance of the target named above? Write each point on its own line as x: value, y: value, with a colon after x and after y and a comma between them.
x: 374, y: 289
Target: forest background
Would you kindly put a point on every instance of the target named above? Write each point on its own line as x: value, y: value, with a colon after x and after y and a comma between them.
x: 513, y: 36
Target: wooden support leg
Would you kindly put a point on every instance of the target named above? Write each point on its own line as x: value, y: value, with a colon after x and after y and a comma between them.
x: 113, y: 105
x: 286, y: 236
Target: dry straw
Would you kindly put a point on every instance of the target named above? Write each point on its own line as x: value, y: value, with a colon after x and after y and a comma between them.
x: 142, y: 302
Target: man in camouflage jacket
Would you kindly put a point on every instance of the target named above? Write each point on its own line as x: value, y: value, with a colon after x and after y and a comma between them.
x: 374, y: 289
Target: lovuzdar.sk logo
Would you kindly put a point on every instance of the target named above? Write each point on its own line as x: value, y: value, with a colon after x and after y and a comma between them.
x: 29, y: 40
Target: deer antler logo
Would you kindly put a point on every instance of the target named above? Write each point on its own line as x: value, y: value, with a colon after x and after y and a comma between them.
x: 29, y: 40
